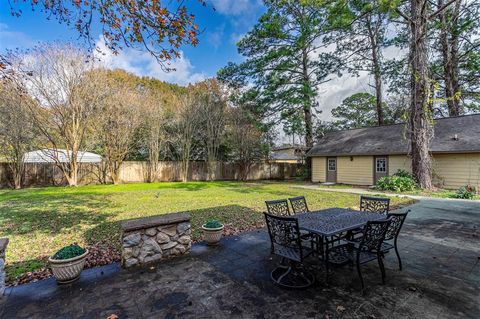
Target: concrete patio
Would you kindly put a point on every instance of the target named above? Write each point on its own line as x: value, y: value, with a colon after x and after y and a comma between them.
x: 439, y: 245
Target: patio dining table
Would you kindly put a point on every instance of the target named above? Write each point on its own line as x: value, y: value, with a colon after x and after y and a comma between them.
x: 333, y: 222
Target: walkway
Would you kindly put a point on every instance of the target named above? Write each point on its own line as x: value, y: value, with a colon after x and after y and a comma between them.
x: 441, y: 279
x: 365, y: 191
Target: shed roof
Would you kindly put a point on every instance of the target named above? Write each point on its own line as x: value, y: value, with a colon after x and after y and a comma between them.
x: 48, y: 155
x: 391, y: 139
x: 289, y: 146
x: 284, y: 156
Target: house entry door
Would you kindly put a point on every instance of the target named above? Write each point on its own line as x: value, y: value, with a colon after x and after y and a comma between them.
x: 331, y: 169
x: 380, y: 167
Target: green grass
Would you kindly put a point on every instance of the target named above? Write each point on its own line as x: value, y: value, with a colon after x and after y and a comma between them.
x: 39, y: 221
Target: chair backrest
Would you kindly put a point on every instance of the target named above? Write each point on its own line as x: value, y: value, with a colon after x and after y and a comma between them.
x: 374, y: 234
x: 278, y: 207
x: 299, y: 204
x: 379, y: 205
x: 285, y: 237
x: 396, y: 224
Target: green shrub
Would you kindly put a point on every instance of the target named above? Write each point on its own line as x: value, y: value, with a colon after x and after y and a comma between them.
x: 465, y: 192
x: 403, y: 173
x: 69, y: 252
x: 303, y: 172
x: 396, y: 183
x: 213, y: 224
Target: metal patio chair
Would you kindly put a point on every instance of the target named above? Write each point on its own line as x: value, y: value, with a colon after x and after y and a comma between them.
x: 391, y: 236
x: 299, y: 204
x: 278, y: 207
x: 379, y: 205
x: 366, y: 249
x: 286, y: 242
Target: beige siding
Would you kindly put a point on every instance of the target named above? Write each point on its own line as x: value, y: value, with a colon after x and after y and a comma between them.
x: 449, y: 170
x: 456, y: 170
x: 292, y: 161
x: 356, y: 172
x: 319, y: 165
x: 396, y: 162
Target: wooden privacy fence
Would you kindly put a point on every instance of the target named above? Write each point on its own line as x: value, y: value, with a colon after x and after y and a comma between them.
x: 47, y: 174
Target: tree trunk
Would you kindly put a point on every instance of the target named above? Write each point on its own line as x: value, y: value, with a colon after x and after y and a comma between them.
x: 420, y: 116
x: 378, y: 93
x: 17, y: 167
x: 377, y: 72
x: 449, y: 48
x: 185, y: 167
x: 72, y: 176
x: 153, y: 157
x: 307, y: 107
x: 457, y: 109
x: 115, y: 173
x: 17, y: 175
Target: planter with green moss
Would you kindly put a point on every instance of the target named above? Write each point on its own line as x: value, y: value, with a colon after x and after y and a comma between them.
x: 212, y: 232
x: 67, y: 263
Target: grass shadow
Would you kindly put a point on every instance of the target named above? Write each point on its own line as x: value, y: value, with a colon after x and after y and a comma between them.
x: 51, y: 214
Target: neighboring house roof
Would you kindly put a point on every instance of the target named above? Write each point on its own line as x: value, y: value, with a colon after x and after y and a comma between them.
x: 284, y: 156
x: 452, y: 135
x: 48, y: 155
x: 288, y: 147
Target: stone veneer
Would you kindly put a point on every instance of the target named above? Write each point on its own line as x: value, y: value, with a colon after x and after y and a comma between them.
x: 151, y: 239
x: 3, y: 248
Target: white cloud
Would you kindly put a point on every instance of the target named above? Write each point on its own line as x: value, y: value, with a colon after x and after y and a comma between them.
x: 144, y: 64
x: 13, y: 39
x: 215, y: 38
x: 235, y: 7
x: 235, y: 37
x: 332, y: 93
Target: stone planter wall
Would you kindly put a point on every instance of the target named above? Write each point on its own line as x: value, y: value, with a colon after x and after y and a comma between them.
x: 151, y: 239
x: 3, y: 248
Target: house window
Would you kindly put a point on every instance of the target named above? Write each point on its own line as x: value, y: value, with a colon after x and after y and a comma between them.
x: 332, y: 165
x: 381, y: 165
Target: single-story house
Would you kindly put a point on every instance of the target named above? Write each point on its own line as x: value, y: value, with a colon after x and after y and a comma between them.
x: 288, y: 154
x: 49, y: 155
x: 361, y: 156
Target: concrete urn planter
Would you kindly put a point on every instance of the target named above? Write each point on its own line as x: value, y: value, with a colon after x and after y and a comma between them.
x: 212, y: 235
x: 68, y: 270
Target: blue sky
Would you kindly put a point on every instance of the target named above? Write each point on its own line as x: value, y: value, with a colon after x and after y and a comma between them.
x: 221, y: 28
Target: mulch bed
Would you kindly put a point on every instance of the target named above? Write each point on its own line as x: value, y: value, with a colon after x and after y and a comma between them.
x: 99, y: 254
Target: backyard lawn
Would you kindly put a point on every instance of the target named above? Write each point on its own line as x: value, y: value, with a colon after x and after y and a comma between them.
x: 39, y: 221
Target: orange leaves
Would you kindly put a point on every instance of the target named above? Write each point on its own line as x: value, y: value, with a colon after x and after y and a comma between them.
x: 130, y: 22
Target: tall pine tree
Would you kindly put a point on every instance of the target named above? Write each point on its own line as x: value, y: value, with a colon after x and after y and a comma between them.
x: 286, y: 62
x: 359, y: 29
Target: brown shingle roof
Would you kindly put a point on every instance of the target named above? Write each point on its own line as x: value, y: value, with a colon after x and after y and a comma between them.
x: 392, y: 139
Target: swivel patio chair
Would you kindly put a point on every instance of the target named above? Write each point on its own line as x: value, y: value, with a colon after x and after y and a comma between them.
x: 367, y: 249
x: 391, y: 237
x: 286, y: 242
x: 379, y: 205
x: 299, y: 204
x: 278, y: 207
